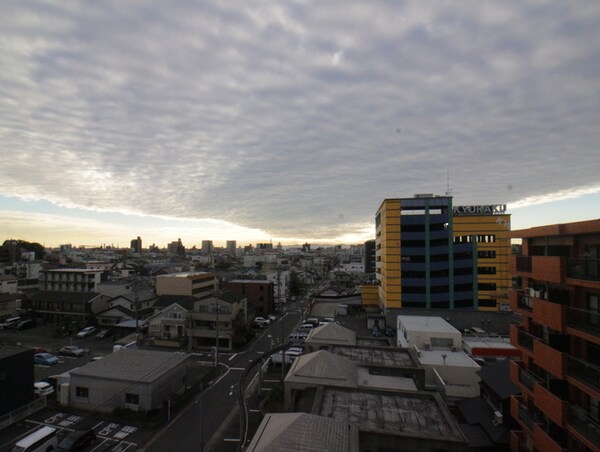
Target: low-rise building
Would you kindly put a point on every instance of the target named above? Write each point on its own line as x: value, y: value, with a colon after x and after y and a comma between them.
x: 260, y: 293
x: 16, y: 377
x: 71, y: 280
x: 195, y: 284
x: 139, y: 380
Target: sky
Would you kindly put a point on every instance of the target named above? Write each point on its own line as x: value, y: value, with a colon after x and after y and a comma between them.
x: 290, y: 121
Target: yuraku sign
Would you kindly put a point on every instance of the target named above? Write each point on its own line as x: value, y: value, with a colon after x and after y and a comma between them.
x: 492, y: 209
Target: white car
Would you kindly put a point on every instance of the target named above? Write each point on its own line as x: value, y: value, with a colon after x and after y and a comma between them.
x: 87, y: 331
x: 42, y: 388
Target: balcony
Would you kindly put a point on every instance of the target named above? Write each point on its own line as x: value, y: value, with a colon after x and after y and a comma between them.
x: 542, y: 268
x: 528, y: 379
x: 517, y: 442
x: 552, y: 315
x: 585, y: 372
x: 586, y: 425
x: 550, y: 404
x: 585, y: 321
x: 550, y: 358
x: 526, y: 340
x: 584, y: 269
x: 544, y: 441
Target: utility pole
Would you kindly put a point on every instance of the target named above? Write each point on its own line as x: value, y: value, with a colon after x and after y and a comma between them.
x: 217, y: 338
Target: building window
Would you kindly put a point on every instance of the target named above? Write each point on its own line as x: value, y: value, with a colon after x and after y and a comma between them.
x: 486, y: 286
x: 486, y: 270
x: 487, y: 303
x: 132, y: 399
x: 486, y: 254
x: 80, y: 391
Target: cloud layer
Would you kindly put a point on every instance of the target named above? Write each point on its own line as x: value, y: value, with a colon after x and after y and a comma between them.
x: 296, y: 118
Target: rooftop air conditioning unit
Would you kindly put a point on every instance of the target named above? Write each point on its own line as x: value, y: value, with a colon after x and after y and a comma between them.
x: 427, y: 346
x: 498, y: 418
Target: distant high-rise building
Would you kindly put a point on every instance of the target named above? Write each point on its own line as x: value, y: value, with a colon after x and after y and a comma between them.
x: 264, y: 246
x: 176, y: 248
x: 207, y: 247
x: 370, y: 256
x: 306, y: 248
x: 136, y: 245
x: 431, y: 254
x: 231, y: 247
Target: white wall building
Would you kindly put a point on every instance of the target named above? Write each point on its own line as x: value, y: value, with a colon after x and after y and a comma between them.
x: 439, y: 348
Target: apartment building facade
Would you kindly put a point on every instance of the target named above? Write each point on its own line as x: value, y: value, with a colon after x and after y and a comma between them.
x: 431, y: 254
x: 557, y: 293
x: 194, y: 284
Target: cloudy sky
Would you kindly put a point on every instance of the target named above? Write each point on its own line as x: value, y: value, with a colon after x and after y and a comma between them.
x: 290, y: 121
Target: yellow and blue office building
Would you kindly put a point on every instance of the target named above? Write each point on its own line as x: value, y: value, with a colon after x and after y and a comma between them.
x: 431, y: 254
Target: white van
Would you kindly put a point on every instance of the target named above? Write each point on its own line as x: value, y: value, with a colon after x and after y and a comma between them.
x: 41, y: 440
x: 306, y: 327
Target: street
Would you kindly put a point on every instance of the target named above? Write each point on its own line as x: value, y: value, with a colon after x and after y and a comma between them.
x: 210, y: 421
x: 203, y: 423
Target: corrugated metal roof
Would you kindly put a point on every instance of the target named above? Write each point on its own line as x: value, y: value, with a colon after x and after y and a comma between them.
x: 142, y: 366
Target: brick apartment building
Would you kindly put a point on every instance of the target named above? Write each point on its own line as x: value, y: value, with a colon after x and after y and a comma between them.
x: 259, y: 292
x: 557, y: 293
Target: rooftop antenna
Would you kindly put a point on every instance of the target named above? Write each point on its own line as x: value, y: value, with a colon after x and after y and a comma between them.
x: 448, y: 190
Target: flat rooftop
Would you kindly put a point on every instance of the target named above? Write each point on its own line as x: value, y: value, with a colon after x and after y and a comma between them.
x: 183, y: 274
x: 380, y: 357
x: 251, y: 281
x: 446, y: 357
x: 420, y: 415
x: 426, y: 324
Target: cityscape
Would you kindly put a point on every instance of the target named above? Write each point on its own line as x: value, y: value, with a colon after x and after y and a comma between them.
x: 299, y: 226
x: 457, y: 333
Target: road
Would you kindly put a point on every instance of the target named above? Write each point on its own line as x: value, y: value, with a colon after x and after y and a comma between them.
x: 202, y: 424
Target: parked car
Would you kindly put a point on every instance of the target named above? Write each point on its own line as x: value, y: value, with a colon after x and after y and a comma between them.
x: 272, y: 318
x: 261, y: 322
x: 42, y: 389
x: 77, y: 440
x: 87, y: 331
x: 25, y: 324
x: 45, y: 359
x: 376, y: 332
x: 390, y: 332
x: 103, y: 334
x: 71, y: 350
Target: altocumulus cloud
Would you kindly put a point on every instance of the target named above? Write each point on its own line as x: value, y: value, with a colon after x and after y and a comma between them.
x: 296, y: 118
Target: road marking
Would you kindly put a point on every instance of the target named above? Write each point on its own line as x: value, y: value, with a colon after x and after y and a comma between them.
x: 265, y: 389
x: 271, y: 381
x: 232, y: 356
x: 231, y: 439
x: 254, y: 411
x: 237, y: 368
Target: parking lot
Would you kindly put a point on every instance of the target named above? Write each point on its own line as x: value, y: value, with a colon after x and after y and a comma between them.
x: 110, y: 433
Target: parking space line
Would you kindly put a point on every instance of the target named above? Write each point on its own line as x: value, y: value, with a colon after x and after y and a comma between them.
x: 232, y: 356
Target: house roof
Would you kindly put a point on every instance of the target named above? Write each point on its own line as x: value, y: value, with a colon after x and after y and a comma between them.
x: 323, y: 368
x: 333, y: 334
x: 229, y: 297
x: 295, y: 432
x: 118, y: 308
x: 476, y: 411
x: 139, y: 366
x: 185, y: 301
